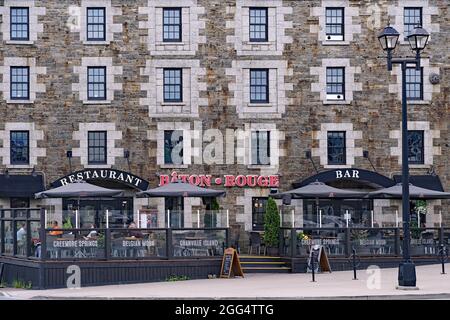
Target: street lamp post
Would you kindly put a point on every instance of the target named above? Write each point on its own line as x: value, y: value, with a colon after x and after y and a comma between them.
x: 418, y: 40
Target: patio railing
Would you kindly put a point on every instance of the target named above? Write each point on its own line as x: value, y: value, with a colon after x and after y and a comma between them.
x: 21, y: 236
x: 369, y: 242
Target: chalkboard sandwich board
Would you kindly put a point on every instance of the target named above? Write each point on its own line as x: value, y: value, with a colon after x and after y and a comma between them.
x: 231, y: 266
x: 320, y: 258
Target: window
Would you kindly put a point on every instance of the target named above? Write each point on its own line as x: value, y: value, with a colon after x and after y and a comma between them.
x: 258, y: 210
x: 258, y: 25
x: 172, y: 25
x: 259, y: 85
x: 412, y: 19
x: 173, y: 85
x: 336, y: 83
x: 335, y: 24
x: 96, y: 83
x: 20, y: 151
x: 336, y: 147
x: 96, y: 24
x: 20, y: 30
x: 97, y: 147
x: 20, y: 83
x: 414, y: 84
x: 261, y: 147
x: 173, y: 147
x: 415, y: 147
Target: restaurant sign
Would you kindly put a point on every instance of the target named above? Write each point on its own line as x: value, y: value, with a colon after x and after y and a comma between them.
x: 206, y: 180
x: 103, y: 174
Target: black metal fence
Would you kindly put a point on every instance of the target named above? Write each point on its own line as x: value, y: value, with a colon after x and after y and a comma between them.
x: 21, y: 236
x: 368, y: 242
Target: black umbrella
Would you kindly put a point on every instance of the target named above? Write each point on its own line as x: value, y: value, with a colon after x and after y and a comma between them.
x: 319, y: 190
x: 179, y: 189
x: 396, y: 192
x: 79, y: 189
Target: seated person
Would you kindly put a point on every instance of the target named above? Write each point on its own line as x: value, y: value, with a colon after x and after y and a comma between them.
x: 55, y: 232
x: 134, y: 233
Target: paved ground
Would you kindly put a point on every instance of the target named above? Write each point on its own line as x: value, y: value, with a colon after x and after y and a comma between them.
x: 371, y: 285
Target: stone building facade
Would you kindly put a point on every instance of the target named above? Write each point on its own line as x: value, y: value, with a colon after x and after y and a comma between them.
x: 216, y: 56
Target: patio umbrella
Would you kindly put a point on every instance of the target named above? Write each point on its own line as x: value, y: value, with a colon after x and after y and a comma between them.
x: 179, y: 189
x: 319, y: 190
x: 396, y: 192
x: 79, y: 189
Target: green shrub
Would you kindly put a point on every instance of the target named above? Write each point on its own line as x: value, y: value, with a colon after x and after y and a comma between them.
x: 173, y: 278
x: 271, y: 224
x: 20, y: 284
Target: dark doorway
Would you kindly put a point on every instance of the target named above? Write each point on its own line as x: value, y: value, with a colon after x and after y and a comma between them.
x: 258, y: 211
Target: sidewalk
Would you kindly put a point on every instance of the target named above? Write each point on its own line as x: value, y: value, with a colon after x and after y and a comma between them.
x: 432, y: 285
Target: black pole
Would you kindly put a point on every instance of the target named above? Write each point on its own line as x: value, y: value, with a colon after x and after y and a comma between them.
x: 313, y: 267
x: 442, y: 252
x: 354, y: 264
x: 407, y: 270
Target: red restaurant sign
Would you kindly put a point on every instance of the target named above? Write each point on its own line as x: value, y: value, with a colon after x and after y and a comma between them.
x: 205, y: 180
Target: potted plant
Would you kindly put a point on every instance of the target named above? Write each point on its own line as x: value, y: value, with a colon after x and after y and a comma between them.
x: 271, y: 227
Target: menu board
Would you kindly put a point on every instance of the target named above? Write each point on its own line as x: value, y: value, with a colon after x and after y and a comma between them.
x: 231, y: 266
x: 320, y: 258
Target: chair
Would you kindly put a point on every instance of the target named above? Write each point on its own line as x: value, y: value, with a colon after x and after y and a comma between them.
x: 256, y: 242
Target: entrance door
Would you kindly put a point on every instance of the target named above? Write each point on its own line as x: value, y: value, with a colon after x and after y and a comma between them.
x: 175, y: 205
x: 258, y: 211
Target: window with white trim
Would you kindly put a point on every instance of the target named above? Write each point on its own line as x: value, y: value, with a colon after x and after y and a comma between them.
x: 173, y: 147
x: 97, y: 83
x: 173, y: 85
x: 258, y: 24
x: 414, y: 83
x: 335, y: 83
x: 172, y: 25
x: 20, y: 83
x: 260, y: 145
x: 334, y: 23
x: 412, y: 19
x: 416, y: 147
x: 259, y: 85
x: 20, y: 23
x: 20, y: 147
x: 336, y: 148
x: 96, y: 24
x: 97, y: 147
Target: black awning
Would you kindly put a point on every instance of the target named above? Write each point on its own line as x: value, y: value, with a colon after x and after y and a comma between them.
x: 424, y: 181
x: 20, y: 186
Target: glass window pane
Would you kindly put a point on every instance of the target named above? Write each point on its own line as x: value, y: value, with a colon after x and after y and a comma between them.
x: 416, y: 147
x: 336, y: 147
x: 172, y: 25
x: 97, y: 147
x: 19, y: 23
x: 96, y: 24
x: 173, y: 85
x: 96, y: 83
x: 258, y: 24
x: 19, y: 146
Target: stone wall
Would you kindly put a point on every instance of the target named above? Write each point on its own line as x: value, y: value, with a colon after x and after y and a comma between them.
x: 375, y: 110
